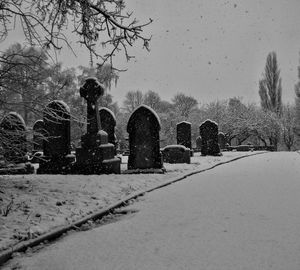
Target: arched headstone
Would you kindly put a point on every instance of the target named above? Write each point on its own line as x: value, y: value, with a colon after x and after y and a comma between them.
x: 144, y: 148
x: 222, y: 140
x: 209, y: 134
x: 108, y: 124
x: 56, y: 119
x: 38, y: 135
x: 198, y: 143
x: 57, y: 143
x: 13, y: 136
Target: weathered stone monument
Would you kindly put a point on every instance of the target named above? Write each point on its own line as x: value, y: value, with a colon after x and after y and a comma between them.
x: 13, y: 135
x: 222, y: 140
x: 108, y: 124
x: 176, y: 154
x: 184, y: 131
x: 209, y: 135
x: 38, y: 135
x: 144, y: 148
x: 96, y: 155
x: 184, y: 135
x: 57, y: 156
x: 198, y: 143
x: 14, y: 145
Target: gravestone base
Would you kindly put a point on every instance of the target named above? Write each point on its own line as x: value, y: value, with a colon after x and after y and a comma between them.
x: 214, y: 154
x: 100, y: 160
x: 22, y: 168
x: 145, y: 171
x: 58, y: 165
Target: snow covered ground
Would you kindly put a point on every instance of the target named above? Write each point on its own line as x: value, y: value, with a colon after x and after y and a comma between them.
x: 31, y: 205
x: 242, y: 215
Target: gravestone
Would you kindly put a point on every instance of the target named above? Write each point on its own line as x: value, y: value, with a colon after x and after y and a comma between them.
x: 184, y: 137
x: 38, y: 135
x: 108, y: 124
x: 57, y: 156
x: 176, y: 154
x: 209, y: 135
x: 13, y: 135
x: 144, y: 148
x: 14, y: 145
x: 222, y: 140
x: 198, y: 143
x: 96, y: 155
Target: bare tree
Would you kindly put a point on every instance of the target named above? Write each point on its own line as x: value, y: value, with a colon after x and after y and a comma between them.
x: 184, y: 104
x: 132, y: 100
x: 153, y: 100
x: 22, y: 72
x: 95, y: 23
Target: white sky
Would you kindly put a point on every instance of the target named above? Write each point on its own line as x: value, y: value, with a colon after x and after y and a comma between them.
x: 209, y: 49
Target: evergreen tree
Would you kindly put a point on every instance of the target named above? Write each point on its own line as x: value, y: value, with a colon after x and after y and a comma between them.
x: 270, y: 89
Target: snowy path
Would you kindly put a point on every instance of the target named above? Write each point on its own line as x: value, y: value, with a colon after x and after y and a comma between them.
x: 243, y: 215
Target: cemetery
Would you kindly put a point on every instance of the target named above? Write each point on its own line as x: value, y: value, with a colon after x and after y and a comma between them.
x: 97, y: 153
x: 149, y: 135
x: 54, y: 168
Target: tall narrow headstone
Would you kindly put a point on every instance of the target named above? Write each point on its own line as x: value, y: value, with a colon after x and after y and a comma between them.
x: 57, y: 156
x: 96, y: 155
x: 38, y: 135
x: 144, y: 148
x: 198, y: 143
x: 108, y: 124
x: 209, y: 135
x: 222, y: 140
x: 184, y: 134
x: 13, y: 136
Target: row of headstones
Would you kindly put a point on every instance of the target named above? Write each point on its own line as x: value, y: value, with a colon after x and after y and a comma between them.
x: 210, y: 140
x: 59, y: 142
x: 97, y: 151
x: 143, y: 128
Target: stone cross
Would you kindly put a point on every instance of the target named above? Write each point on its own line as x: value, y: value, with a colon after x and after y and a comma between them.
x: 92, y: 90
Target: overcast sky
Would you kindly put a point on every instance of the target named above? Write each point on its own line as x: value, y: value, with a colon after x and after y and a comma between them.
x: 209, y: 49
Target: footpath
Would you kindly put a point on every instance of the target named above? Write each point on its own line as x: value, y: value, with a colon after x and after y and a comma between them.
x: 241, y: 215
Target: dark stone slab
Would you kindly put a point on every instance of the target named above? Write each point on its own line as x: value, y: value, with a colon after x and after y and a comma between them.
x: 176, y: 154
x: 184, y: 134
x: 198, y: 143
x: 108, y: 124
x: 57, y: 158
x: 209, y: 134
x: 13, y: 134
x: 144, y: 148
x: 39, y: 134
x: 222, y: 140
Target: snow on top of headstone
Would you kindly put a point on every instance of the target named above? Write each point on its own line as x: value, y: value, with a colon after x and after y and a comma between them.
x: 208, y: 120
x: 148, y: 108
x: 62, y: 103
x: 109, y: 111
x: 16, y: 115
x: 175, y: 146
x: 185, y: 122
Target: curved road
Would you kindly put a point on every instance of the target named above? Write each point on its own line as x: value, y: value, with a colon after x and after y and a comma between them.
x: 242, y: 215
